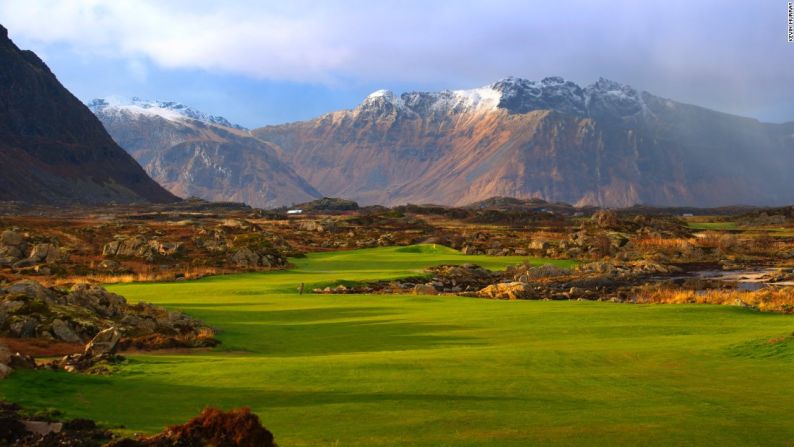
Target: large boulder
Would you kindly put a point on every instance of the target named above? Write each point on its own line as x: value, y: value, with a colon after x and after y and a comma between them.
x: 45, y: 252
x: 29, y: 288
x: 5, y: 371
x: 606, y: 218
x: 63, y: 331
x: 137, y: 247
x: 11, y: 238
x: 245, y: 257
x: 12, y: 248
x: 105, y: 342
x: 5, y: 355
x: 24, y: 327
x: 97, y: 299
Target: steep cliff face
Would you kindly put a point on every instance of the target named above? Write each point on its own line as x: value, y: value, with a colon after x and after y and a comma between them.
x: 52, y: 148
x: 605, y: 144
x: 194, y: 154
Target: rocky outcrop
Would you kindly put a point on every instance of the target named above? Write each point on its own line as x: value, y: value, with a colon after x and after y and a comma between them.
x: 98, y: 356
x: 52, y: 149
x: 29, y: 310
x: 18, y: 252
x: 140, y: 247
x: 10, y: 361
x: 20, y: 429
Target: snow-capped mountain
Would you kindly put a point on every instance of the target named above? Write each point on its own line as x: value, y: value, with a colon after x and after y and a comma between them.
x: 602, y: 144
x: 515, y: 95
x: 192, y: 153
x: 168, y: 110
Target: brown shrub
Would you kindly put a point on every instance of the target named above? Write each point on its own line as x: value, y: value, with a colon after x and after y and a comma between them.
x: 721, y: 241
x: 236, y: 428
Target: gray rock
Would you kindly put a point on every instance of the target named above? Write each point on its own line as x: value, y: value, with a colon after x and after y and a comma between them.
x: 5, y: 355
x: 11, y: 238
x: 105, y: 342
x: 111, y: 248
x: 45, y: 253
x: 5, y: 371
x: 12, y: 252
x: 64, y: 332
x: 25, y: 328
x: 245, y: 257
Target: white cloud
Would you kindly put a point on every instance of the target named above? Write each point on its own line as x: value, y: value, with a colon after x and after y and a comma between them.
x: 258, y: 42
x: 693, y: 51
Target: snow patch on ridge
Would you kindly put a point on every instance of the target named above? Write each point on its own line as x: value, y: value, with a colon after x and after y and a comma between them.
x: 168, y: 110
x: 516, y: 95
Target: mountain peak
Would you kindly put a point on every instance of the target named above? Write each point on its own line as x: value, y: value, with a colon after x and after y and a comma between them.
x: 169, y: 110
x: 382, y: 93
x: 553, y: 80
x: 611, y: 97
x: 515, y: 95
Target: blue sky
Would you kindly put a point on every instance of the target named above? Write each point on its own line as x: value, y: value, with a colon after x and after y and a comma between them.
x: 260, y: 62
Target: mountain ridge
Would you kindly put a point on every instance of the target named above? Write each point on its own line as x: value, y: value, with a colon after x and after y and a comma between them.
x: 192, y: 153
x: 606, y: 144
x: 52, y: 148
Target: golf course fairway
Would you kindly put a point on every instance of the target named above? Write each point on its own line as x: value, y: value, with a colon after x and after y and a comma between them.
x: 385, y: 370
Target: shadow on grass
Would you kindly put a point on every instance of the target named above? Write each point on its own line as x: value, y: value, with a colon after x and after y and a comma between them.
x: 316, y: 331
x: 147, y: 404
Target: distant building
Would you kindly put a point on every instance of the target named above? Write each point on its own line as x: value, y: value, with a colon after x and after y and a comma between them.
x: 687, y: 215
x: 294, y: 211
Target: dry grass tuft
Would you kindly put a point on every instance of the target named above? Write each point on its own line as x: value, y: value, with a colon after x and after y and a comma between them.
x: 766, y: 299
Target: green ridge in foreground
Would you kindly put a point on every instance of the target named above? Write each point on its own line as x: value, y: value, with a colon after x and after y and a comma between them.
x: 353, y: 370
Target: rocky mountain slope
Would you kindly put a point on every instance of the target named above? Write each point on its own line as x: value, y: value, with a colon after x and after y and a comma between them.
x: 52, y: 149
x: 604, y: 144
x: 194, y: 154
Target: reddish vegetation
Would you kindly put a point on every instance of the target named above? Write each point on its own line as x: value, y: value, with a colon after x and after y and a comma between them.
x: 37, y: 347
x: 213, y: 427
x: 236, y: 428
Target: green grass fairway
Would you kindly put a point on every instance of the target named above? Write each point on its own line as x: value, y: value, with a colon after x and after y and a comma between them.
x: 713, y: 225
x: 347, y: 370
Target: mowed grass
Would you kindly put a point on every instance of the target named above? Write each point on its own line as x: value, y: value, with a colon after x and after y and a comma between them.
x: 713, y: 226
x: 352, y: 370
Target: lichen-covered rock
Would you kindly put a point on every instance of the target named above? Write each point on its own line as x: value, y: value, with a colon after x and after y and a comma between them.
x: 29, y: 310
x: 29, y: 288
x: 245, y: 257
x: 45, y: 252
x: 11, y: 238
x: 63, y: 331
